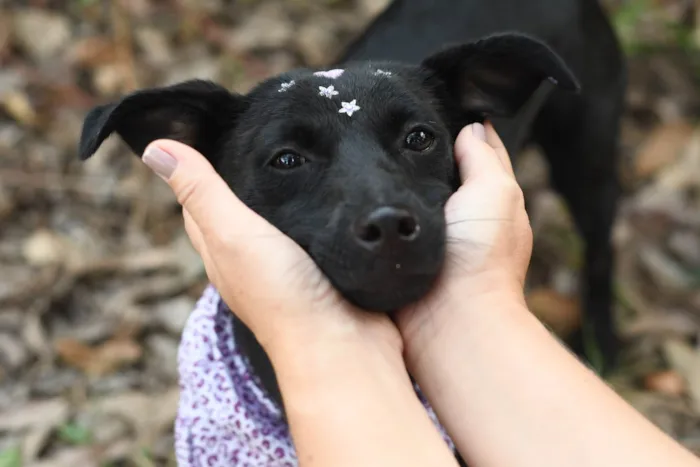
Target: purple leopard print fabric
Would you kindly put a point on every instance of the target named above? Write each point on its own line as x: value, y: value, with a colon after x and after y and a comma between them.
x: 224, y: 417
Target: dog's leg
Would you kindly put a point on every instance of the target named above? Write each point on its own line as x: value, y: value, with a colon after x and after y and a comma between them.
x: 579, y: 137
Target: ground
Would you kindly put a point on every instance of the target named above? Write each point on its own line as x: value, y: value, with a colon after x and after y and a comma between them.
x: 97, y: 277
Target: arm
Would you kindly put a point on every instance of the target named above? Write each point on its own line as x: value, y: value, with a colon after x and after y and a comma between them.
x: 351, y: 403
x: 511, y: 395
x: 508, y: 393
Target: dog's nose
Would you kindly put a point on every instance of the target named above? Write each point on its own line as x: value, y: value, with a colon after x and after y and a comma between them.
x: 385, y: 227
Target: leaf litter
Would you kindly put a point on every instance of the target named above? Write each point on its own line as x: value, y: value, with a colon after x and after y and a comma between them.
x: 97, y: 276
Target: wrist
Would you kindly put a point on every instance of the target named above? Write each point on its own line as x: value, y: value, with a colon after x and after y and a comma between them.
x: 354, y: 392
x: 464, y: 310
x: 332, y: 331
x: 318, y: 370
x: 314, y: 375
x: 323, y: 343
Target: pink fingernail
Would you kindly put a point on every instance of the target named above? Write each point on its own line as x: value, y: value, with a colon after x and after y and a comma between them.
x: 162, y: 163
x: 479, y: 131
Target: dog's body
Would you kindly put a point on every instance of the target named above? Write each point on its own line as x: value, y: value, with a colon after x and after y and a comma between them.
x: 359, y: 178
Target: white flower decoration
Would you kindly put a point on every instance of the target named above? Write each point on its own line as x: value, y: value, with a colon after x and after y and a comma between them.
x: 328, y: 92
x: 286, y: 86
x: 349, y: 107
x: 332, y: 74
x: 383, y: 72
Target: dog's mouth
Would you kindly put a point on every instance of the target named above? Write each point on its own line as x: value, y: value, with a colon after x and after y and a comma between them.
x: 381, y: 284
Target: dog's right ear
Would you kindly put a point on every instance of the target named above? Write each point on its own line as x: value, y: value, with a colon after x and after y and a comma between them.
x: 196, y: 113
x: 496, y: 75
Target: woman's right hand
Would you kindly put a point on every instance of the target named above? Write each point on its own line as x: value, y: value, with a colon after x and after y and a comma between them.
x: 507, y: 392
x: 489, y: 237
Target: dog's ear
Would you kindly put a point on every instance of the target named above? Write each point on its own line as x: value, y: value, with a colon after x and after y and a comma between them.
x: 496, y: 75
x: 194, y: 112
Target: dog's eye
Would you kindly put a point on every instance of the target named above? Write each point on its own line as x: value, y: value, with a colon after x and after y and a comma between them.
x: 419, y: 140
x: 288, y: 160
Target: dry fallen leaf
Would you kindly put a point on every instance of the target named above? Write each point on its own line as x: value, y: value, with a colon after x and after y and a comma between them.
x: 19, y: 107
x: 51, y: 411
x: 314, y: 39
x: 662, y: 147
x: 44, y: 247
x: 686, y: 361
x: 93, y: 51
x: 561, y: 313
x: 75, y: 353
x: 131, y: 406
x: 70, y: 457
x: 110, y: 78
x: 267, y: 27
x: 99, y: 360
x: 667, y: 382
x: 36, y: 420
x: 5, y: 33
x: 41, y: 33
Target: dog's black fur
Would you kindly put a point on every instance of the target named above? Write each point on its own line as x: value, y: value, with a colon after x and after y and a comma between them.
x: 364, y: 194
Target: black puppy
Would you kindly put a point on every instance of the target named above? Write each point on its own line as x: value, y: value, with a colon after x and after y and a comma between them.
x: 578, y: 133
x: 355, y: 164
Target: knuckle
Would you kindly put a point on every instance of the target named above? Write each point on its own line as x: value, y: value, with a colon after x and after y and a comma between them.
x: 510, y: 188
x: 186, y: 190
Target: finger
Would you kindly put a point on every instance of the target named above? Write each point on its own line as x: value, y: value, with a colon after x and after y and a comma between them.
x: 496, y: 143
x: 193, y: 232
x: 202, y: 192
x: 196, y: 237
x: 475, y: 157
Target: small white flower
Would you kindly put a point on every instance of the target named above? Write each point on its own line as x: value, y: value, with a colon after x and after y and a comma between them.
x: 332, y: 74
x: 349, y: 107
x: 383, y: 72
x: 328, y: 92
x: 286, y: 86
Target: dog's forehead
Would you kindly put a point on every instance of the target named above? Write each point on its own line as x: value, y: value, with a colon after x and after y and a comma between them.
x: 348, y: 92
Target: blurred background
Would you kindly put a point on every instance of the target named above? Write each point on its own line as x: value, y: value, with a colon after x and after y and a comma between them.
x: 97, y: 277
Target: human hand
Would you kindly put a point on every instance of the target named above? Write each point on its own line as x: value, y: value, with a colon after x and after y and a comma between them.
x: 271, y: 284
x: 322, y: 348
x: 489, y: 237
x: 489, y: 367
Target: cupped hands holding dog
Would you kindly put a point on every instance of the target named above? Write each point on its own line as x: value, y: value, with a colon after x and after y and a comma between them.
x: 278, y: 291
x: 322, y: 348
x: 506, y: 391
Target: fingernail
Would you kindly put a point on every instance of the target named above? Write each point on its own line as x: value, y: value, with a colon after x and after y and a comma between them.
x: 479, y: 131
x: 162, y: 163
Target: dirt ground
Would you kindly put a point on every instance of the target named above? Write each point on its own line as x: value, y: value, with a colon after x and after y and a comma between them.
x: 97, y: 277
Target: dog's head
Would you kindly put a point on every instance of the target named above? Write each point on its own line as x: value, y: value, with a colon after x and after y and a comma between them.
x: 354, y: 164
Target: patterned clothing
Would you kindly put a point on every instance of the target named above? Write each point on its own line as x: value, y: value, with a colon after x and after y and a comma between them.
x: 224, y: 417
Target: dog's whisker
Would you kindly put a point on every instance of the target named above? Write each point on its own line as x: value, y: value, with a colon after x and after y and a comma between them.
x: 484, y: 219
x: 258, y: 236
x: 455, y: 241
x: 458, y: 262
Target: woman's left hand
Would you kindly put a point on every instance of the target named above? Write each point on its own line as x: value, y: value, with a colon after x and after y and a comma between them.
x: 324, y: 350
x: 272, y: 285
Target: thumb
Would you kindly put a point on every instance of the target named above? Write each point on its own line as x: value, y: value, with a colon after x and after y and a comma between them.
x: 199, y: 188
x: 475, y: 154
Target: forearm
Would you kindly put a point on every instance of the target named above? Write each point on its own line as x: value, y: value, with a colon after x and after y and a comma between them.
x: 510, y: 395
x: 349, y: 404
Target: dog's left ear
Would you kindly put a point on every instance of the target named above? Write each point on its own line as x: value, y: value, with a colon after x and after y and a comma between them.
x: 194, y: 112
x: 496, y: 75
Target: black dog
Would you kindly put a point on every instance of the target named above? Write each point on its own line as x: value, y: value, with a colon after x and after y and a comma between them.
x: 578, y: 133
x: 356, y: 166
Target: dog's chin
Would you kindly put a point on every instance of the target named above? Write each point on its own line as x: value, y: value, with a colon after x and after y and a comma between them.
x: 391, y: 297
x: 381, y: 286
